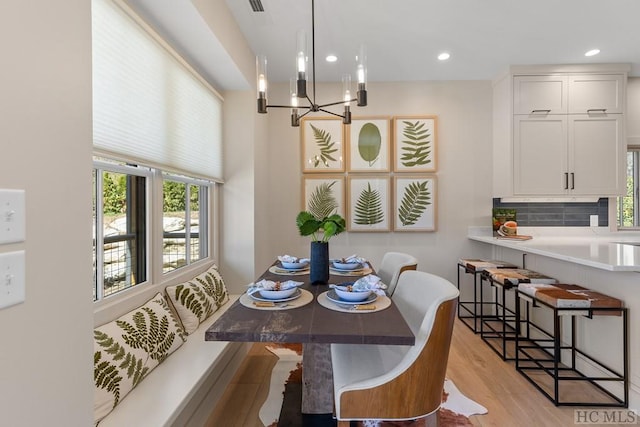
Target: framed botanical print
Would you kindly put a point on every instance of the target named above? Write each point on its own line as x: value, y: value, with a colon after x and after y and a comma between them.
x: 368, y: 144
x: 322, y: 144
x: 368, y: 200
x: 415, y: 143
x: 323, y: 195
x: 414, y: 203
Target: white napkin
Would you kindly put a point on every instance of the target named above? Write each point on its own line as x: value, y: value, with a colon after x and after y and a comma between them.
x: 370, y: 282
x: 269, y: 285
x: 291, y: 258
x: 353, y: 259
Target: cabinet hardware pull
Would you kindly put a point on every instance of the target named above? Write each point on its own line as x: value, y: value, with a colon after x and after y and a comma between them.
x: 540, y: 111
x: 573, y: 181
x: 566, y: 180
x: 594, y: 110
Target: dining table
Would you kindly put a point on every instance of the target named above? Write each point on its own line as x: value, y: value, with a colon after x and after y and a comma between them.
x: 315, y: 320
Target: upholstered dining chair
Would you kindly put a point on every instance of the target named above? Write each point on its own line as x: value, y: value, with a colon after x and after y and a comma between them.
x: 390, y: 382
x: 392, y: 265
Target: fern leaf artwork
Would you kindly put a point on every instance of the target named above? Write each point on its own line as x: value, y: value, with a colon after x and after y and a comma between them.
x: 368, y: 209
x: 369, y: 143
x: 326, y: 147
x: 415, y: 200
x: 416, y: 145
x: 322, y: 202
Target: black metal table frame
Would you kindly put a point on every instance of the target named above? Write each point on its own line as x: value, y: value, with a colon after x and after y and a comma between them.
x: 552, y: 345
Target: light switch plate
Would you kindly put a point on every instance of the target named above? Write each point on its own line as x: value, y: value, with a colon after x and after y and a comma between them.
x: 12, y: 216
x: 12, y: 278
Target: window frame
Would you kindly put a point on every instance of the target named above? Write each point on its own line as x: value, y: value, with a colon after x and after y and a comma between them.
x: 99, y: 167
x: 155, y: 277
x: 205, y: 234
x: 618, y: 201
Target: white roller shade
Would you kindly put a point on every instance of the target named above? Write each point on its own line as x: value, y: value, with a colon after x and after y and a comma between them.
x: 147, y: 105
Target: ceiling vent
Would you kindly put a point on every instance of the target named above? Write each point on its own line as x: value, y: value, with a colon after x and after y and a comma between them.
x: 256, y: 5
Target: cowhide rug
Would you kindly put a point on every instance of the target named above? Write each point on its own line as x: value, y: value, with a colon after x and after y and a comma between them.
x: 282, y: 407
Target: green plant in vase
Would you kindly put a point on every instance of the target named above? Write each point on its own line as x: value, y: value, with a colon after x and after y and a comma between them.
x: 320, y: 230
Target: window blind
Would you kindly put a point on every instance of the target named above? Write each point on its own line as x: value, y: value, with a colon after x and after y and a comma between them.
x: 147, y: 105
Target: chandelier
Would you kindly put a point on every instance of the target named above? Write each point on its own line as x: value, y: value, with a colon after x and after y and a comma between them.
x: 298, y: 84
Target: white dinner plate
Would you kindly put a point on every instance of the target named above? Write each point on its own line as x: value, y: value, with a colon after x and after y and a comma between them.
x: 304, y: 267
x: 256, y: 296
x: 346, y: 270
x: 333, y: 297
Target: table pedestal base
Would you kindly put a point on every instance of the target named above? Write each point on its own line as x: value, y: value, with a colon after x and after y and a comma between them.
x: 317, y: 379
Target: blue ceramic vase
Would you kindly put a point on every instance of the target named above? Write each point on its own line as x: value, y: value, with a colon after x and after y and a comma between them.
x: 319, y: 274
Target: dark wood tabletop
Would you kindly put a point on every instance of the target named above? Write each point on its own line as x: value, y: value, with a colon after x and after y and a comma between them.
x: 311, y: 323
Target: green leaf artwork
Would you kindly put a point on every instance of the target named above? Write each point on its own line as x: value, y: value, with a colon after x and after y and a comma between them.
x: 326, y: 147
x: 416, y: 147
x: 415, y: 200
x: 368, y: 209
x: 369, y: 143
x: 322, y: 202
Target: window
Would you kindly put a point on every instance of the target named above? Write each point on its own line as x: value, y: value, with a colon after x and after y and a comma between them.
x: 629, y: 205
x: 184, y: 234
x: 120, y: 228
x: 158, y: 124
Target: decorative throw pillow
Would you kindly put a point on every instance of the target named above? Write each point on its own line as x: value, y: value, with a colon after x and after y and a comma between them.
x: 197, y: 299
x: 127, y: 349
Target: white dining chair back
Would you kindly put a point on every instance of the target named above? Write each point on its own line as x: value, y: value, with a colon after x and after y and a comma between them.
x: 391, y: 382
x: 392, y: 265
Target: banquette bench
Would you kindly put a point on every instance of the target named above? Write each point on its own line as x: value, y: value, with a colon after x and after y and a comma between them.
x: 153, y: 367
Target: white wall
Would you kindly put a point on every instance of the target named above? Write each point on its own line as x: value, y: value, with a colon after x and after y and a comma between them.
x: 464, y: 110
x: 46, y: 344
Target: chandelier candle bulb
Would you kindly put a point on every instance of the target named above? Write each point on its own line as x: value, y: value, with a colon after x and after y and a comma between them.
x: 301, y: 63
x: 261, y: 84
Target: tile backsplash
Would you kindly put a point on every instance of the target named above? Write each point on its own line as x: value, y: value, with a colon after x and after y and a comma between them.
x: 558, y: 214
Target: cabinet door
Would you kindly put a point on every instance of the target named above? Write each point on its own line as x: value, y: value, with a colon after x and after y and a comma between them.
x: 596, y: 155
x: 540, y: 94
x: 596, y: 93
x: 540, y: 155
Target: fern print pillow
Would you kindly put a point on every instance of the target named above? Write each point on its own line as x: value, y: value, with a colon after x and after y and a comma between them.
x: 196, y: 300
x: 127, y: 349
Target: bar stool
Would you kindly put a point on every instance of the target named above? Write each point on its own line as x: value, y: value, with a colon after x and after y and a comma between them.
x: 468, y: 310
x: 550, y: 357
x: 502, y: 326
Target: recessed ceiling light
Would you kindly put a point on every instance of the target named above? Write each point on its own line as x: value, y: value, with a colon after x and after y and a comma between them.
x: 331, y: 58
x: 592, y: 52
x: 444, y: 56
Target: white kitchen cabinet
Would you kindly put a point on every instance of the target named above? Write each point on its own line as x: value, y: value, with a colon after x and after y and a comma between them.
x: 596, y: 93
x: 540, y: 94
x: 594, y: 155
x: 540, y: 155
x: 559, y: 132
x: 567, y: 155
x: 569, y: 94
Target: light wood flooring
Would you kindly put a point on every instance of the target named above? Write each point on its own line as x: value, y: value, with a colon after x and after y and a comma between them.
x: 475, y: 369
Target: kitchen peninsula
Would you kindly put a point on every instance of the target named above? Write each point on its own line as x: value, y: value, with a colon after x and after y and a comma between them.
x: 592, y: 257
x: 593, y: 247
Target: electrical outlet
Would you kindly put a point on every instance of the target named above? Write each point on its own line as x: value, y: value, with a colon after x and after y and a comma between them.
x: 12, y: 216
x: 12, y: 279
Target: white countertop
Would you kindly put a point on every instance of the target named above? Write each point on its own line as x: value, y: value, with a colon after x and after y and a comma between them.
x: 592, y: 246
